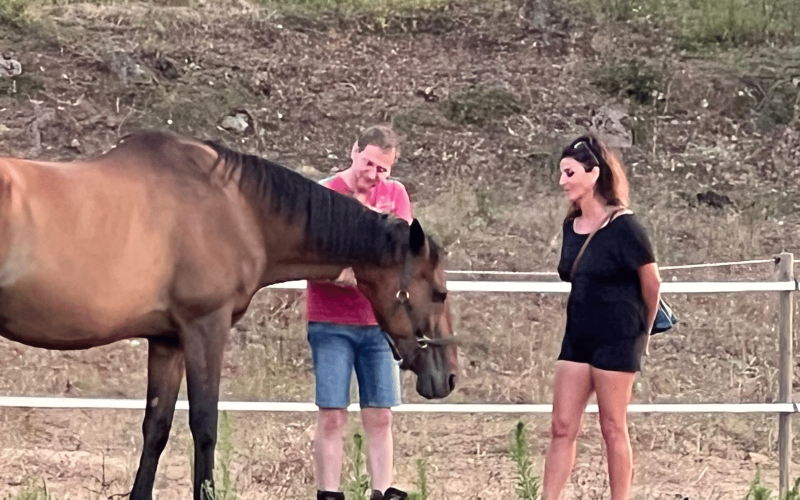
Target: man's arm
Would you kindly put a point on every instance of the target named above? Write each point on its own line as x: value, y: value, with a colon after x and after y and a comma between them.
x: 402, y: 203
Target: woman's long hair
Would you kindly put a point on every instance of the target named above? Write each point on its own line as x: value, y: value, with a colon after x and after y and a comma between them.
x: 612, y: 184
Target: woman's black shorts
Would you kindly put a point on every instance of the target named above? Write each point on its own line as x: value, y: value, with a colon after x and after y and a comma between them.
x: 614, y: 354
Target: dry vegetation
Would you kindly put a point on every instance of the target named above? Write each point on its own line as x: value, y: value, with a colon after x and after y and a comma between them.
x: 485, y: 94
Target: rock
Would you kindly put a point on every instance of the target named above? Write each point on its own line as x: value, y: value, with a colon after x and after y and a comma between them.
x: 237, y: 122
x: 9, y: 67
x: 428, y: 93
x: 75, y: 143
x: 540, y: 15
x: 757, y: 458
x: 610, y: 124
x: 602, y: 42
x: 714, y: 199
x: 176, y: 472
x: 311, y: 172
x: 168, y: 68
x: 127, y: 69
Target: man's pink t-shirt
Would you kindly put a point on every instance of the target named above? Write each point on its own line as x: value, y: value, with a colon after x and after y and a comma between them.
x: 346, y: 305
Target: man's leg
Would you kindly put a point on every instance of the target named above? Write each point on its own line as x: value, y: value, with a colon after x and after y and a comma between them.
x: 377, y: 424
x: 333, y: 354
x: 328, y: 448
x: 379, y: 390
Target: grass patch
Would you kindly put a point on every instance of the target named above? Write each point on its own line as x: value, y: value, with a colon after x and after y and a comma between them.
x: 758, y: 491
x: 356, y: 6
x: 633, y: 78
x: 410, y: 120
x: 224, y: 487
x: 422, y: 482
x: 356, y: 484
x: 22, y: 86
x: 777, y: 107
x: 527, y: 483
x: 701, y: 23
x: 14, y: 11
x: 34, y: 492
x: 478, y: 105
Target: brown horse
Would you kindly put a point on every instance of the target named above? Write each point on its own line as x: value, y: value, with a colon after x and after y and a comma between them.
x: 168, y: 238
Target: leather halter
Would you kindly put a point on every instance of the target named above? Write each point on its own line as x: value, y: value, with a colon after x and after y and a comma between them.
x: 403, y: 299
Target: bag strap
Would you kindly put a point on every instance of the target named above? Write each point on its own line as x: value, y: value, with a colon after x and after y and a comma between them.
x: 591, y: 235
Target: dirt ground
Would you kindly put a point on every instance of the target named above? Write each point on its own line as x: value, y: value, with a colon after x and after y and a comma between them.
x: 467, y: 458
x: 484, y: 99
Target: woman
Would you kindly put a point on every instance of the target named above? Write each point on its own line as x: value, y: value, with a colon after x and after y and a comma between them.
x: 610, y: 311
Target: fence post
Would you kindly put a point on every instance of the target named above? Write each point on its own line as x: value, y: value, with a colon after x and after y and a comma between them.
x: 785, y: 372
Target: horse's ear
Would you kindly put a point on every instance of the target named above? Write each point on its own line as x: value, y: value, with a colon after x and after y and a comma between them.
x: 416, y: 237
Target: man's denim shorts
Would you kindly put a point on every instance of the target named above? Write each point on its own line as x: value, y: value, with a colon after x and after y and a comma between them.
x: 338, y: 350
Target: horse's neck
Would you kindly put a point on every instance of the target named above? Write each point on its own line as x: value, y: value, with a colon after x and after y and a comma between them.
x: 10, y: 212
x: 5, y: 226
x: 288, y: 264
x: 290, y: 256
x: 301, y: 271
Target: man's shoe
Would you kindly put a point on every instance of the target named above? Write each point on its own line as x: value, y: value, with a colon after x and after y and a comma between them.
x: 330, y: 495
x: 394, y: 494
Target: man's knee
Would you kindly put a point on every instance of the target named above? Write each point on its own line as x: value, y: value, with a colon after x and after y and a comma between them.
x: 376, y: 418
x: 331, y: 421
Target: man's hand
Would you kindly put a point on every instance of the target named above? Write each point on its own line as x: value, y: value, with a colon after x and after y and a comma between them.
x: 347, y: 278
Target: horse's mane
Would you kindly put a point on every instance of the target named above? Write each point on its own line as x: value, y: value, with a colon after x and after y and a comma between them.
x: 336, y: 225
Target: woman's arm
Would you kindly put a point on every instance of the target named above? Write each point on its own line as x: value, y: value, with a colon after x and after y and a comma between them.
x: 651, y: 287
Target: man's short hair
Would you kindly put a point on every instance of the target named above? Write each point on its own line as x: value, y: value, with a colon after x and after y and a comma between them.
x: 381, y: 136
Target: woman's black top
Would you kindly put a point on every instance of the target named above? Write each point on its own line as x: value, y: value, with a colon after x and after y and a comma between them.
x: 606, y: 298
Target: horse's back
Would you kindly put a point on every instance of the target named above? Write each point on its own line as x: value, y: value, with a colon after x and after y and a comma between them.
x: 124, y: 236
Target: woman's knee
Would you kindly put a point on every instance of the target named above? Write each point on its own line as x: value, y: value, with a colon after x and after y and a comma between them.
x: 613, y: 428
x: 565, y: 428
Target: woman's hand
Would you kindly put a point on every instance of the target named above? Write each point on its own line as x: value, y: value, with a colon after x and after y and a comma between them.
x: 651, y: 292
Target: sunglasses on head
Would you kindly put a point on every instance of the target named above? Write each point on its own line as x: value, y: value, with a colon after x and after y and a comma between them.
x: 586, y: 145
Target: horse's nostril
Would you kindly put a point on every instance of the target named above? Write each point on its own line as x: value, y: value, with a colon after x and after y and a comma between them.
x: 452, y: 382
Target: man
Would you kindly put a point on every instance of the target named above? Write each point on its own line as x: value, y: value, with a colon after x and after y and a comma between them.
x: 344, y: 334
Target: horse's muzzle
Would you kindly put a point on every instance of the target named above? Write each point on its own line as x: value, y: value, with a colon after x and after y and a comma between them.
x: 436, y: 378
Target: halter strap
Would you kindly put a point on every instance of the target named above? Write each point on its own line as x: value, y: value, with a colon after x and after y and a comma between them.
x: 403, y: 300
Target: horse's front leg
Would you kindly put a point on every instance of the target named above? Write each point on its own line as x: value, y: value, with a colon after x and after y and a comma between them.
x: 164, y: 374
x: 204, y: 342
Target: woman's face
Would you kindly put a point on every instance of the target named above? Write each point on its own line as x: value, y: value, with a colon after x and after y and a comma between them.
x: 575, y: 180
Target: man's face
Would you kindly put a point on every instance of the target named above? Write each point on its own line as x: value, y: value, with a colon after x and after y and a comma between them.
x: 372, y: 166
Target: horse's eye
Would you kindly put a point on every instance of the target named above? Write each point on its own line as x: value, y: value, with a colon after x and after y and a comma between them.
x: 439, y: 296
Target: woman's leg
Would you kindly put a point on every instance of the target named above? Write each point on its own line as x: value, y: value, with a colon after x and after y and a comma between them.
x: 614, y: 391
x: 571, y: 392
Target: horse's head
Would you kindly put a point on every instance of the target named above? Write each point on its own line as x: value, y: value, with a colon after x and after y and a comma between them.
x: 410, y: 302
